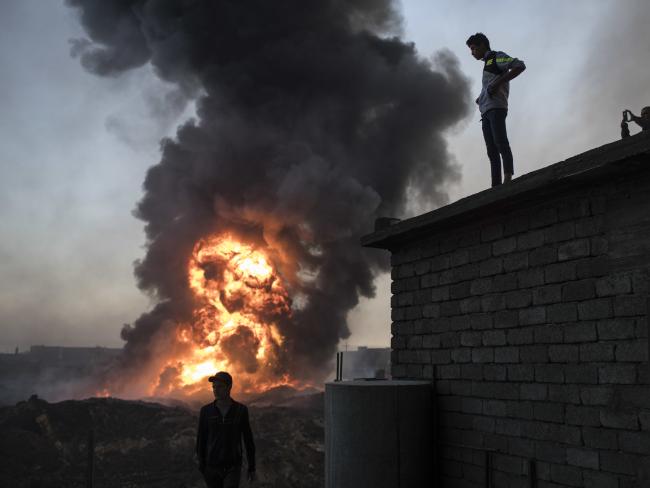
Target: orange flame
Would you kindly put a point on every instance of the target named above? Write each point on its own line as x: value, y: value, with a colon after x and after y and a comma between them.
x: 240, y: 300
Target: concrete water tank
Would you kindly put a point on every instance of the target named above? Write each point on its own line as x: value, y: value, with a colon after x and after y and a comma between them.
x: 379, y: 434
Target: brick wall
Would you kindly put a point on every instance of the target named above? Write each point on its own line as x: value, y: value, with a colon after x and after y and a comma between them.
x: 534, y: 322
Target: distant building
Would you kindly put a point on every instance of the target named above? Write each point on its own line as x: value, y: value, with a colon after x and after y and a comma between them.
x: 366, y: 362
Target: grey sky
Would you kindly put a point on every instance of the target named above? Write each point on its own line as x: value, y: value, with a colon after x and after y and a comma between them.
x: 74, y: 148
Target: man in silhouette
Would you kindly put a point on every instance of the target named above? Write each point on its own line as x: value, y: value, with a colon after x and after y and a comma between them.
x: 498, y: 70
x: 222, y: 426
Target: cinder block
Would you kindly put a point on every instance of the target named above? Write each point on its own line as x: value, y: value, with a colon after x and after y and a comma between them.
x: 515, y: 261
x: 592, y: 267
x: 429, y: 280
x: 459, y: 257
x: 483, y: 355
x: 480, y: 252
x: 547, y: 295
x: 596, y: 395
x: 596, y: 352
x: 440, y: 356
x: 579, y: 290
x: 422, y: 266
x: 560, y: 232
x: 549, y: 412
x: 431, y: 310
x: 626, y: 306
x: 614, y: 285
x: 415, y: 342
x: 462, y: 355
x: 506, y: 355
x: 636, y: 351
x: 589, y: 227
x: 459, y: 290
x: 586, y: 374
x: 543, y: 255
x: 533, y: 354
x: 471, y: 372
x: 533, y: 391
x: 577, y: 415
x: 549, y: 373
x: 616, y: 462
x: 550, y: 451
x: 564, y: 394
x: 548, y: 334
x: 617, y: 374
x: 530, y: 240
x: 619, y: 419
x: 564, y: 353
x: 481, y: 286
x: 431, y: 341
x: 573, y: 250
x: 600, y: 480
x: 492, y: 232
x: 601, y: 308
x: 562, y: 313
x: 519, y: 299
x: 480, y: 321
x: 532, y: 315
x: 491, y: 267
x: 521, y: 372
x: 634, y: 442
x: 448, y: 309
x: 440, y: 294
x: 492, y: 303
x: 495, y: 408
x: 619, y: 328
x: 516, y: 224
x: 531, y: 277
x: 543, y: 217
x: 520, y: 336
x: 494, y: 338
x: 504, y: 246
x: 582, y: 458
x: 559, y: 272
x: 506, y: 319
x: 598, y: 245
x: 599, y: 438
x: 494, y: 372
x: 470, y: 305
x: 585, y: 332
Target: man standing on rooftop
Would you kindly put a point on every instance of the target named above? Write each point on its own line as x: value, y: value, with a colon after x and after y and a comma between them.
x: 498, y: 70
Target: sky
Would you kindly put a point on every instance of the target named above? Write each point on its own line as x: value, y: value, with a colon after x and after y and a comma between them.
x: 74, y: 147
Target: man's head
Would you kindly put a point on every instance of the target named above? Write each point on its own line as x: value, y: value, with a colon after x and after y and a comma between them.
x: 645, y: 113
x: 221, y: 385
x: 478, y: 44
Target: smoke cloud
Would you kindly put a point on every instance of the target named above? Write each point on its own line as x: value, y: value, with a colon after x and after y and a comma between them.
x: 312, y: 119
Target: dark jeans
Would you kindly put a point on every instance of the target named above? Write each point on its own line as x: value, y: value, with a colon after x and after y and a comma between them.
x: 222, y: 477
x: 496, y: 141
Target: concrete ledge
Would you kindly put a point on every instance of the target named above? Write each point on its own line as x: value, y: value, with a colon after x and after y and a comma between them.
x: 620, y: 157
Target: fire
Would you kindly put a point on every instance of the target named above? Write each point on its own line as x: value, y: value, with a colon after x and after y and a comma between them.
x: 239, y: 302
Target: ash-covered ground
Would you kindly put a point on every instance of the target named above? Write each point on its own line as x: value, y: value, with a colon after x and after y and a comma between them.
x: 144, y: 444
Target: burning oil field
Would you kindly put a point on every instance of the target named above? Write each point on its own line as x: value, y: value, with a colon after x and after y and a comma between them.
x: 312, y: 119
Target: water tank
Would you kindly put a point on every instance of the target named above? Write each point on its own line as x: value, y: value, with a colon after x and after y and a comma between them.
x: 379, y: 434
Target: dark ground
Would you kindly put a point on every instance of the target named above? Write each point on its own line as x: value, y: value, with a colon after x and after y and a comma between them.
x: 140, y: 444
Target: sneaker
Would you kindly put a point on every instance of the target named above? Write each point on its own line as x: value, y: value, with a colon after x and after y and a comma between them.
x: 507, y: 177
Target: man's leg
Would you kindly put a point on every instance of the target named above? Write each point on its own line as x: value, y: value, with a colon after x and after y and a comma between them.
x: 213, y: 477
x: 492, y: 150
x: 231, y: 478
x: 500, y: 136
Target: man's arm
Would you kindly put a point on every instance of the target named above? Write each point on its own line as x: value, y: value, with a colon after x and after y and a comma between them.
x: 513, y: 68
x: 249, y: 444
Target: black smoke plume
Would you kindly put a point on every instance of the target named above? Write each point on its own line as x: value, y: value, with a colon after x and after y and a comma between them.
x: 312, y: 119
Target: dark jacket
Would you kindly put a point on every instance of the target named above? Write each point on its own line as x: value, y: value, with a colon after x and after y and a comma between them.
x: 218, y: 440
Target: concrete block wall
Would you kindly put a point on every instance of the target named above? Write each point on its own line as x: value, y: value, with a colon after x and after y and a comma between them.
x: 534, y: 322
